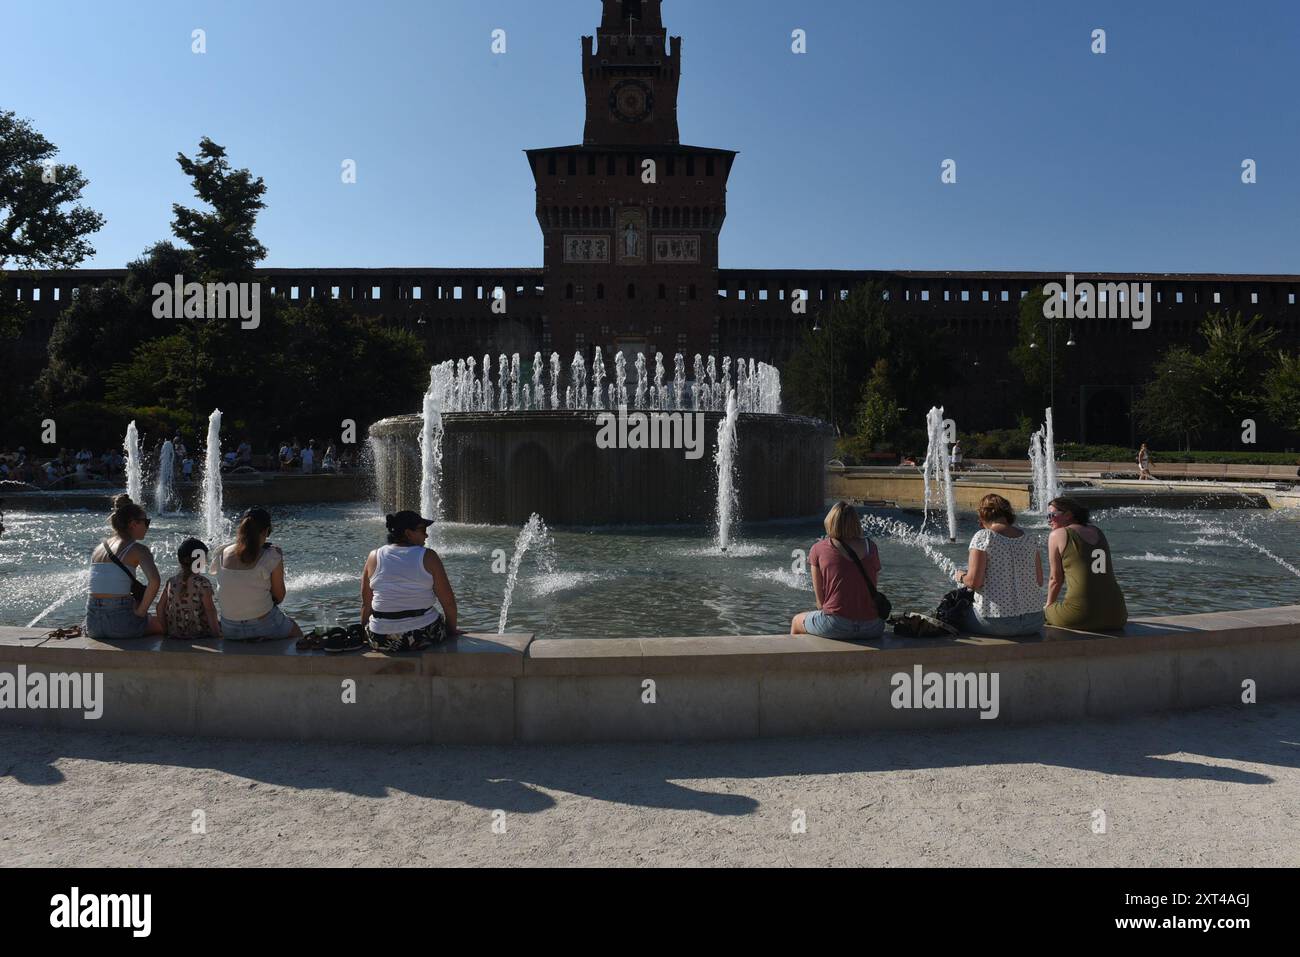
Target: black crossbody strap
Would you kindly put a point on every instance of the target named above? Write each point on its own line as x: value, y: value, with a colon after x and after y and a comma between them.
x: 871, y: 588
x: 118, y: 562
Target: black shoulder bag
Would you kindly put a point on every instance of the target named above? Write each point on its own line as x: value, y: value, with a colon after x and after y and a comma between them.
x: 137, y: 589
x: 883, y: 606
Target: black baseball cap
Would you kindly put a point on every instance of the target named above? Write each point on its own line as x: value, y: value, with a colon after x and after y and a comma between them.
x: 406, y: 521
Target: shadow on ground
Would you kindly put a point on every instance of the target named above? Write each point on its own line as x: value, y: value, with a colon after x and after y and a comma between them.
x: 658, y: 775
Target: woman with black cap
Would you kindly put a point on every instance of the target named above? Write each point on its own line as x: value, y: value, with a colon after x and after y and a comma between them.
x: 402, y: 587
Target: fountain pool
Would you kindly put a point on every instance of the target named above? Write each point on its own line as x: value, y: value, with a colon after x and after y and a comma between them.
x: 660, y: 581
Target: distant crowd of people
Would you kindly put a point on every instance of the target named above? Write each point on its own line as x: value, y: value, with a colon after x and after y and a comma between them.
x: 48, y: 470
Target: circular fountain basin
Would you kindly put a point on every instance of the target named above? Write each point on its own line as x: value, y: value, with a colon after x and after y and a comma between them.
x: 499, y: 468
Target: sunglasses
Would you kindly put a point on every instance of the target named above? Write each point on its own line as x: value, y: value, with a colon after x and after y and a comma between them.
x: 1052, y: 515
x: 147, y: 521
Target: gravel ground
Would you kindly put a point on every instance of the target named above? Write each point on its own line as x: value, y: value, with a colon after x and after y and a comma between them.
x: 1208, y: 788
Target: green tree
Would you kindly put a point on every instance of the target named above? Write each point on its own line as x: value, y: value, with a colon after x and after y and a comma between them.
x: 1175, y: 404
x: 878, y: 416
x: 852, y: 333
x: 104, y: 325
x: 1236, y: 357
x: 43, y: 225
x: 1282, y: 392
x: 223, y: 241
x: 42, y: 222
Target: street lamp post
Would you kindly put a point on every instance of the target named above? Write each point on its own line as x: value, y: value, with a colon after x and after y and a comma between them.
x: 1051, y: 360
x: 830, y: 362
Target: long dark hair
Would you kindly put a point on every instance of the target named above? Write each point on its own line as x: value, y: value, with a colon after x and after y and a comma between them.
x: 248, y: 540
x: 124, y: 513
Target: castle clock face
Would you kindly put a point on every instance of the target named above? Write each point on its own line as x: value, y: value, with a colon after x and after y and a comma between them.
x: 631, y: 101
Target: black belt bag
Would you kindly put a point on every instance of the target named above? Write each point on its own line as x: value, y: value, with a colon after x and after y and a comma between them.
x: 398, y: 615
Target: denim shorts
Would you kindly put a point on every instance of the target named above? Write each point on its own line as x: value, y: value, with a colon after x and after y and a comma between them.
x: 114, y: 618
x: 1030, y: 623
x: 843, y: 629
x: 274, y: 624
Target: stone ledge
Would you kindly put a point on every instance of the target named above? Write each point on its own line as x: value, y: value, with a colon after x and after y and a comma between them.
x: 466, y: 655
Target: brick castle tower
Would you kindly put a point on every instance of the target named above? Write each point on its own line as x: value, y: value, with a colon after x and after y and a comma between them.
x: 631, y: 218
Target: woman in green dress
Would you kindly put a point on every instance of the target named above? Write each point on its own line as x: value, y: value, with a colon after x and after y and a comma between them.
x: 1080, y: 559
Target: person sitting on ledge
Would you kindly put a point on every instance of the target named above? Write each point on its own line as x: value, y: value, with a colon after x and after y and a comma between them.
x: 842, y: 564
x: 402, y: 587
x: 112, y: 610
x: 250, y: 583
x: 1005, y: 570
x: 186, y: 608
x: 1080, y: 559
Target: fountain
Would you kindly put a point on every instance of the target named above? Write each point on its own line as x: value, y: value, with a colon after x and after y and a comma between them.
x: 131, y: 447
x: 533, y: 535
x: 485, y: 451
x: 725, y: 458
x: 165, y: 489
x: 431, y: 438
x: 1042, y: 461
x: 938, y: 466
x: 213, y: 521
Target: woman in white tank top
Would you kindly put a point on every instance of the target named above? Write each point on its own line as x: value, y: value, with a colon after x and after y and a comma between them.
x: 402, y: 588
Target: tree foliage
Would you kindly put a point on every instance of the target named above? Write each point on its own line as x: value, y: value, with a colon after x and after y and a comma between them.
x: 852, y: 334
x: 223, y: 239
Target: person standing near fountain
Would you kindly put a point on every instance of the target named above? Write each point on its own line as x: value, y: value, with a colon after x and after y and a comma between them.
x: 250, y: 583
x: 1144, y: 463
x: 1080, y: 559
x: 845, y: 568
x: 1005, y: 570
x: 402, y: 587
x: 118, y: 605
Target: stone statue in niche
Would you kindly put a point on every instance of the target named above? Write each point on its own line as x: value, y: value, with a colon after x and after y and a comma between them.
x: 631, y: 241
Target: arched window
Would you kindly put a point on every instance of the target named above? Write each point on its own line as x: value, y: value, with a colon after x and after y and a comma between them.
x: 631, y: 290
x: 568, y: 291
x: 600, y: 290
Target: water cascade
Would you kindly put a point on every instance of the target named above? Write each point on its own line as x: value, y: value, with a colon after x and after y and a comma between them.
x: 131, y: 448
x: 213, y: 520
x: 938, y: 468
x: 725, y: 458
x: 534, y: 535
x: 165, y: 488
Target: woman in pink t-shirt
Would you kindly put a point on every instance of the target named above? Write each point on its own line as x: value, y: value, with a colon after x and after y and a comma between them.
x: 839, y: 564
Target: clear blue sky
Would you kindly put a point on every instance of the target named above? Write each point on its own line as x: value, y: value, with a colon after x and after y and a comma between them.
x: 1065, y: 159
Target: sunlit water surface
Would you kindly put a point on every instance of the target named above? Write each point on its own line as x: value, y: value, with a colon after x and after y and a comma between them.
x: 661, y: 581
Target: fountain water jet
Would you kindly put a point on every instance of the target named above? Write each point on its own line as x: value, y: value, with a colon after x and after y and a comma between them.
x: 131, y: 447
x: 533, y: 535
x: 725, y: 457
x: 213, y: 521
x: 938, y: 465
x: 165, y: 489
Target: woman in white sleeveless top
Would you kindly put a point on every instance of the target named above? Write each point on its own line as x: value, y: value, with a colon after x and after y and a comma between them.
x: 403, y: 586
x: 250, y: 584
x: 1005, y: 570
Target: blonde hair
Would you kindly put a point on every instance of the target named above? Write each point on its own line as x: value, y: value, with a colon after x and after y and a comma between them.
x: 842, y: 522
